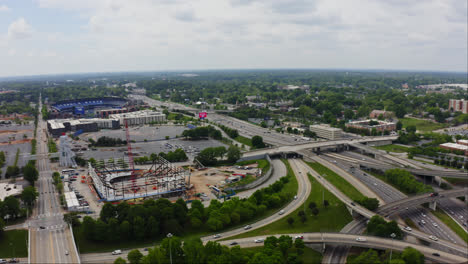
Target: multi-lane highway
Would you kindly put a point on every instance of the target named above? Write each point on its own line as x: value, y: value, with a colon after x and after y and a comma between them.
x: 51, y: 238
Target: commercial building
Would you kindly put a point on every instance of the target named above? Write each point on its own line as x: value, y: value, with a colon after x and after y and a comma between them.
x: 59, y: 126
x: 327, y: 132
x: 455, y: 146
x: 72, y: 201
x: 463, y: 142
x: 371, y: 124
x: 7, y: 189
x: 140, y: 117
x: 458, y: 106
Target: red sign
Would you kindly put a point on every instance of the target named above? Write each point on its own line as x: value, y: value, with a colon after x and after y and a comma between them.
x: 202, y: 115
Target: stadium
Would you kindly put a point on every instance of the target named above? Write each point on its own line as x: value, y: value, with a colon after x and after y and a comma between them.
x: 112, y: 182
x: 89, y: 107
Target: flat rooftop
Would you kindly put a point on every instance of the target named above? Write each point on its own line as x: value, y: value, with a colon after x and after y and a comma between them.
x: 8, y: 189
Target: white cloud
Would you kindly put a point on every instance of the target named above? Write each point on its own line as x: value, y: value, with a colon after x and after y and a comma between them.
x: 118, y: 35
x: 19, y: 29
x: 4, y: 8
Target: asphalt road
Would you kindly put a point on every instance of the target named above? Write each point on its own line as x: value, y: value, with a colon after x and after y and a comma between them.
x: 53, y: 243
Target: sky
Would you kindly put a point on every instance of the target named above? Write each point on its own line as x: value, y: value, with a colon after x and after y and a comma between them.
x: 79, y: 36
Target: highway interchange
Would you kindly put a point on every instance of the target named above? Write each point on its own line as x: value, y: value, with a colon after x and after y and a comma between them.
x: 51, y: 243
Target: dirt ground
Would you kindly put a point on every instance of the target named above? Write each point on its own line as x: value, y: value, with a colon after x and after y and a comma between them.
x: 214, y: 176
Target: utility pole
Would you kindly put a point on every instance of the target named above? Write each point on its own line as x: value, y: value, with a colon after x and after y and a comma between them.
x: 392, y: 235
x: 170, y: 250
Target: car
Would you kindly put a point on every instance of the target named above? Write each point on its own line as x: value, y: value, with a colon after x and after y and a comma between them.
x: 353, y: 204
x: 3, y: 261
x: 117, y: 252
x: 407, y: 208
x: 14, y: 260
x: 363, y: 159
x: 436, y: 254
x: 281, y: 212
x: 217, y: 236
x: 66, y: 253
x: 295, y: 197
x: 423, y: 215
x: 258, y: 240
x: 423, y: 222
x: 146, y: 249
x: 435, y: 224
x: 42, y: 227
x: 233, y: 243
x: 460, y: 216
x: 247, y: 227
x: 407, y: 228
x: 361, y: 239
x: 299, y: 237
x: 433, y: 237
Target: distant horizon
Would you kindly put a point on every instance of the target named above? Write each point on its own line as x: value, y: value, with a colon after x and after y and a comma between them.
x: 2, y: 78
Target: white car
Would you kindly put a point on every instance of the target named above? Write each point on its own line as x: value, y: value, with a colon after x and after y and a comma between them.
x: 117, y: 252
x: 433, y: 238
x: 423, y: 222
x: 423, y: 215
x: 217, y: 236
x: 247, y: 227
x: 361, y: 239
x: 435, y: 224
x: 259, y: 240
x: 281, y: 212
x: 407, y: 228
x: 295, y: 197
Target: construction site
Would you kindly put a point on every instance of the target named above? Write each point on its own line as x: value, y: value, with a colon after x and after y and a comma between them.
x: 121, y: 181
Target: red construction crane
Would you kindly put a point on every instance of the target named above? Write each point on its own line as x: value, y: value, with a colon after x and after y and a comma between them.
x: 130, y: 157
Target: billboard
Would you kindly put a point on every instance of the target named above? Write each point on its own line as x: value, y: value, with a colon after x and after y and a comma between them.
x: 202, y: 115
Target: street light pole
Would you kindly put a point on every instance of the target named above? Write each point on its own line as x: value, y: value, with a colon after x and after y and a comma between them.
x: 170, y: 250
x: 392, y: 235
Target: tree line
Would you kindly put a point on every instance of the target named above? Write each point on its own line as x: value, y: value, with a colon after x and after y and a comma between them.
x: 275, y: 251
x: 371, y: 256
x: 155, y: 218
x: 406, y: 182
x: 177, y: 155
x: 202, y: 132
x: 105, y: 141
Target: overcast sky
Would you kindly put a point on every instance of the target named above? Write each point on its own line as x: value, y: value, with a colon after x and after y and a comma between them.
x: 71, y: 36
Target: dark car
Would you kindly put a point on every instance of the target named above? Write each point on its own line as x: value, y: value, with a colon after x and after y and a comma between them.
x: 436, y: 254
x: 233, y: 243
x: 42, y: 227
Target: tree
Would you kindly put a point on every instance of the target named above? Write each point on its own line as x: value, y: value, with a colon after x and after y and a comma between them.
x: 299, y: 245
x: 134, y: 256
x: 120, y: 260
x: 290, y: 221
x: 29, y: 195
x: 257, y: 142
x: 370, y: 203
x: 326, y: 203
x: 233, y: 154
x: 30, y: 173
x: 315, y: 211
x: 368, y: 257
x: 411, y: 129
x: 88, y: 227
x: 2, y: 226
x: 411, y: 255
x: 399, y: 125
x: 312, y: 205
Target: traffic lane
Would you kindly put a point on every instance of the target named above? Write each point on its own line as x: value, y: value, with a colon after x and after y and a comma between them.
x: 107, y: 257
x: 347, y: 239
x: 304, y: 188
x: 457, y: 212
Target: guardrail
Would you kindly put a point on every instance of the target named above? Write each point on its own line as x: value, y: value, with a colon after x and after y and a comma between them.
x: 260, y: 180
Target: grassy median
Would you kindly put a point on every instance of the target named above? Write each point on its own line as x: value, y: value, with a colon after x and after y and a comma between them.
x: 344, y: 186
x: 451, y: 224
x: 393, y: 148
x: 14, y: 243
x: 310, y: 256
x: 329, y: 219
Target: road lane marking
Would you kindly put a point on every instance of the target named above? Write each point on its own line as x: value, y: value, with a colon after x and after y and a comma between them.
x: 52, y: 247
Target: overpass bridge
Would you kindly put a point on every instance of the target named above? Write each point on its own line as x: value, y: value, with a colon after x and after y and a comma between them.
x: 364, y: 242
x: 400, y: 205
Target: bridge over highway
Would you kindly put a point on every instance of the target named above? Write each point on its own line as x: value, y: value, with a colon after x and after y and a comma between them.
x: 401, y: 205
x: 370, y: 242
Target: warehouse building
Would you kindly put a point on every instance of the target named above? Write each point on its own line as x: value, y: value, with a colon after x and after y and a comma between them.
x: 455, y: 146
x: 140, y: 117
x: 327, y: 132
x: 59, y: 126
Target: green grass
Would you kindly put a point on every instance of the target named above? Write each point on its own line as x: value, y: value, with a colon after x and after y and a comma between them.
x: 52, y: 146
x: 340, y: 183
x: 85, y: 246
x: 422, y: 125
x: 262, y: 164
x: 19, y: 244
x: 330, y: 219
x: 244, y: 140
x: 248, y: 179
x: 310, y: 256
x: 393, y: 148
x: 411, y: 224
x: 451, y: 224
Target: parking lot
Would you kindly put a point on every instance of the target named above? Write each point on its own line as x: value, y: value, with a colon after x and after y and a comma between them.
x: 138, y: 133
x: 86, y: 195
x: 12, y: 139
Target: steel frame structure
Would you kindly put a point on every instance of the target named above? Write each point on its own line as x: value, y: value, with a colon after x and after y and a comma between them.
x: 114, y: 183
